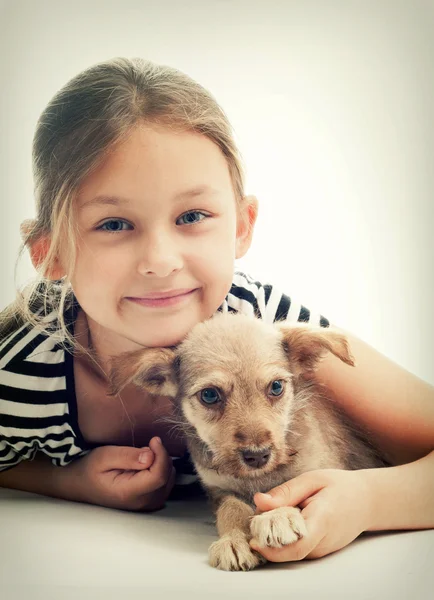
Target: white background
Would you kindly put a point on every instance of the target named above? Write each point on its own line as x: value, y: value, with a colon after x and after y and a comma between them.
x: 332, y: 104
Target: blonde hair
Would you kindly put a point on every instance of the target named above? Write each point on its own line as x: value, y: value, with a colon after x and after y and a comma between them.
x: 83, y: 121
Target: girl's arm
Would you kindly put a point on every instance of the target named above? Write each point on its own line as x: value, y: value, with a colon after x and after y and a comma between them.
x: 112, y: 476
x: 396, y: 407
x: 401, y: 497
x: 38, y: 476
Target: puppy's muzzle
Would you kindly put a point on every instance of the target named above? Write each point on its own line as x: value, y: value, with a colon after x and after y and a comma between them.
x: 257, y: 458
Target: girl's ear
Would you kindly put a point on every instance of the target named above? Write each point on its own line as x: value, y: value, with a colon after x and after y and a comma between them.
x: 38, y: 250
x: 247, y: 214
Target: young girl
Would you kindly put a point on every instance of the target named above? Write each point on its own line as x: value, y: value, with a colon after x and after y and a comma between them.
x: 141, y: 213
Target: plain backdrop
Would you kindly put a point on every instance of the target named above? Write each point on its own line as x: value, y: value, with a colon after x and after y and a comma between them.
x: 332, y: 105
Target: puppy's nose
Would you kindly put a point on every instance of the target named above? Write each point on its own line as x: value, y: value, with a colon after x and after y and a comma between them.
x: 257, y: 458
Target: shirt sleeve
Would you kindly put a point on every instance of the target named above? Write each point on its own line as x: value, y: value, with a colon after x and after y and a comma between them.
x: 10, y: 457
x: 267, y: 302
x: 37, y: 402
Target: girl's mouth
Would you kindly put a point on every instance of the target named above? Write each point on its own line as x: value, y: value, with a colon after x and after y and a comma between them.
x: 162, y: 299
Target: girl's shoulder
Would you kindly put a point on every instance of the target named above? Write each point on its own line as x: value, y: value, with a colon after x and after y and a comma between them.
x: 266, y: 301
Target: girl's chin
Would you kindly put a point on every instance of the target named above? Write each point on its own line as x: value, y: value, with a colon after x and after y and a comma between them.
x: 163, y: 336
x: 159, y: 341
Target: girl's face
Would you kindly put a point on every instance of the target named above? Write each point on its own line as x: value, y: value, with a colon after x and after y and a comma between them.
x: 158, y: 233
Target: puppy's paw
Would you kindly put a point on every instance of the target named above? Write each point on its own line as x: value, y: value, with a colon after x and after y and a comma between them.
x: 233, y: 553
x: 278, y: 527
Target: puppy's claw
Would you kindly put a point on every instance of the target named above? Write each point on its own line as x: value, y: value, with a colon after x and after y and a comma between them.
x: 278, y: 527
x: 233, y: 553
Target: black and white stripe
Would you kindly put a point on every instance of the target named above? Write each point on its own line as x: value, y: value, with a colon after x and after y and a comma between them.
x: 34, y: 401
x: 266, y: 302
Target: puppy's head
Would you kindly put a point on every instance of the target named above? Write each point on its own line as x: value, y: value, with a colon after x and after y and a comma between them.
x: 232, y: 380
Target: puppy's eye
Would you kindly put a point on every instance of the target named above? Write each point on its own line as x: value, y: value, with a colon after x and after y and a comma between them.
x: 276, y: 388
x: 210, y: 396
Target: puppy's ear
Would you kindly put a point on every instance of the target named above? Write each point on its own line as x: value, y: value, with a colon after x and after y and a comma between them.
x: 152, y: 369
x: 306, y: 345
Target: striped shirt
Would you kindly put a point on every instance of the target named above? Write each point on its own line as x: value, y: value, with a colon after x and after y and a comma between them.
x: 38, y: 407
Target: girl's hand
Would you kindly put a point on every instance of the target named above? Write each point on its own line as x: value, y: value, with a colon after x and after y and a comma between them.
x: 122, y: 477
x: 336, y: 507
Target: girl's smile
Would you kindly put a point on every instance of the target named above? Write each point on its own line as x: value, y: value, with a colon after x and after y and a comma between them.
x: 163, y: 299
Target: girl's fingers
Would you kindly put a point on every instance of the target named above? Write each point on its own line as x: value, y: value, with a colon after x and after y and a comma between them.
x: 162, y: 466
x: 159, y: 473
x: 293, y: 492
x: 125, y: 458
x: 300, y: 549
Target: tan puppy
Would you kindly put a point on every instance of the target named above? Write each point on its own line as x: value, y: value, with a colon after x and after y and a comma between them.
x: 253, y: 418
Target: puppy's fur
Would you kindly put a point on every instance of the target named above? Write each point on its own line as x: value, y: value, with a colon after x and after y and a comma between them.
x: 253, y: 416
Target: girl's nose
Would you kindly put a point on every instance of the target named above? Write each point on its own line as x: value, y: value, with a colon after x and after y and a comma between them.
x: 160, y: 257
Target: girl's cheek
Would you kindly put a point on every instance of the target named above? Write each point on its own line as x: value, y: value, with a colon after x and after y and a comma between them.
x: 109, y: 253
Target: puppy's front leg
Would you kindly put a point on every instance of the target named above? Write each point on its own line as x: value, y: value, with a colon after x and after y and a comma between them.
x: 232, y: 551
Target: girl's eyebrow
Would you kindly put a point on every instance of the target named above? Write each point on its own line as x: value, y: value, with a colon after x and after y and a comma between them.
x: 104, y: 200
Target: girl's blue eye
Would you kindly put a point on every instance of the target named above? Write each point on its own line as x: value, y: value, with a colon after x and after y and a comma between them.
x: 276, y: 388
x: 210, y: 396
x: 114, y: 225
x: 189, y: 218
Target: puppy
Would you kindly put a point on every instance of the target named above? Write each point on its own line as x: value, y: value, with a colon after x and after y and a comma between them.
x: 253, y: 417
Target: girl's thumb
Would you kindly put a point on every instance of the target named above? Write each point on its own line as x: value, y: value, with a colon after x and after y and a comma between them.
x: 146, y: 457
x: 289, y: 493
x: 278, y: 496
x: 126, y: 458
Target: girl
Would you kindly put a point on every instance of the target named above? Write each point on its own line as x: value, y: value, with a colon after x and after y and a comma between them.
x: 140, y: 215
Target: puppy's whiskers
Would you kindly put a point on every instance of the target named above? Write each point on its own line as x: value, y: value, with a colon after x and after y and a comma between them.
x: 178, y: 427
